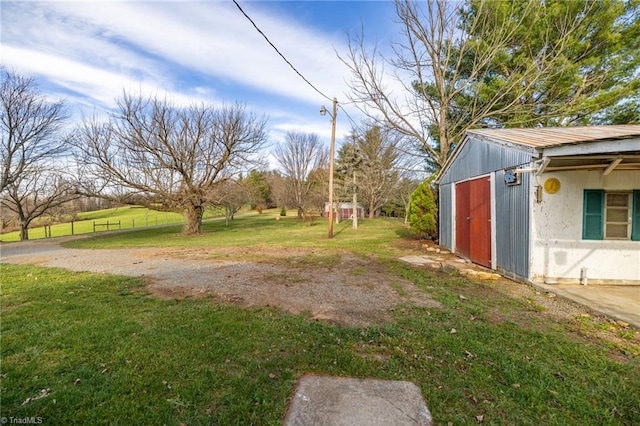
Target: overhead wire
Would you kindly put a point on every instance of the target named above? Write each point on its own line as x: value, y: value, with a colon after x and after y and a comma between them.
x: 279, y: 53
x: 351, y: 120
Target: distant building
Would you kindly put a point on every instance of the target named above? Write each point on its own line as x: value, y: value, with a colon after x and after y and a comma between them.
x: 546, y: 204
x: 344, y: 211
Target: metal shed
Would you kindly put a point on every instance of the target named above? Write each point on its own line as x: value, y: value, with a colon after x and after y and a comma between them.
x: 493, y: 197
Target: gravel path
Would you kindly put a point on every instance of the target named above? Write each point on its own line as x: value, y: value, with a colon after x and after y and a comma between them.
x: 136, y: 262
x: 354, y: 291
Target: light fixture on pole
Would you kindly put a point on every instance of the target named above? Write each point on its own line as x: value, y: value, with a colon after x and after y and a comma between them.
x: 324, y: 111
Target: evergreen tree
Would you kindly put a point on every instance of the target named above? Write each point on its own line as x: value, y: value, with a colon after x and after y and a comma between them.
x: 423, y: 211
x: 573, y: 61
x: 496, y: 63
x: 261, y: 189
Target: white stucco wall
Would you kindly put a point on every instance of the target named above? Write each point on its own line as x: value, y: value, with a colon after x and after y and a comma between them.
x: 558, y: 252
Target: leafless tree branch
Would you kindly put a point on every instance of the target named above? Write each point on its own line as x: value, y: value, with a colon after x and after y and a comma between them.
x: 167, y: 158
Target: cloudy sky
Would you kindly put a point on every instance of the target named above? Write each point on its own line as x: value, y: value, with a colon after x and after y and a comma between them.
x: 88, y: 52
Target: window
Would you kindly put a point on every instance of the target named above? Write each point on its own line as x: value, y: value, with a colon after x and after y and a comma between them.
x: 635, y: 217
x: 617, y: 214
x: 611, y: 215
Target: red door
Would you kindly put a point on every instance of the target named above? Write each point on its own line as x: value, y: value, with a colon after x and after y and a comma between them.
x: 463, y: 223
x: 473, y: 220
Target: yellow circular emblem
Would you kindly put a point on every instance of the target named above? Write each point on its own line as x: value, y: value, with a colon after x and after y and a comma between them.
x: 551, y: 185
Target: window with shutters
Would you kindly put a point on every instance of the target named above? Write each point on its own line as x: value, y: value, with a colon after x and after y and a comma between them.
x: 611, y: 215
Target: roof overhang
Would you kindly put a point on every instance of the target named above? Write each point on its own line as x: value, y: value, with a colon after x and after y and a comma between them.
x: 605, y: 156
x: 596, y: 147
x: 605, y: 148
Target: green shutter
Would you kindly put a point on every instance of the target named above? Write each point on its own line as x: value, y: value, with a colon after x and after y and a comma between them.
x: 593, y: 215
x: 635, y: 217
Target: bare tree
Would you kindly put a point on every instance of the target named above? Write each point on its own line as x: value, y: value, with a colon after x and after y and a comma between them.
x: 319, y: 183
x: 347, y: 167
x: 377, y: 168
x: 165, y: 157
x: 279, y: 190
x: 35, y: 192
x: 29, y: 127
x: 232, y: 195
x: 444, y: 55
x: 8, y: 220
x: 402, y: 195
x: 299, y: 156
x: 31, y: 152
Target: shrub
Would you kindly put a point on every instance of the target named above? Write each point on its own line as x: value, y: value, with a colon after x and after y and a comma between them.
x: 423, y: 211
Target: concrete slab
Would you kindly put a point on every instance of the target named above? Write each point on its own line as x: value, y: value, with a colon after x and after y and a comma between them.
x: 421, y: 260
x: 340, y: 401
x: 621, y: 302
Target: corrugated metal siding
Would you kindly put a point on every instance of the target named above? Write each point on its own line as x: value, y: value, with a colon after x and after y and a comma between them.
x: 479, y: 158
x: 446, y: 217
x: 512, y: 226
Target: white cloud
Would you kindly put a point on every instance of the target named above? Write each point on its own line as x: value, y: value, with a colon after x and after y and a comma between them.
x: 103, y: 86
x: 194, y: 51
x: 142, y: 39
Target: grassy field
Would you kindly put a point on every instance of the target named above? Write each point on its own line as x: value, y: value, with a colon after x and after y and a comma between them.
x: 127, y: 217
x: 98, y: 349
x: 255, y: 230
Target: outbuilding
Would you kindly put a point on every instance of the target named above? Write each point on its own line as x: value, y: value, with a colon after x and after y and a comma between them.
x: 546, y: 205
x: 344, y: 211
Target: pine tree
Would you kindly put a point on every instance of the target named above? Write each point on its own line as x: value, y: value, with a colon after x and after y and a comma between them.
x: 423, y: 211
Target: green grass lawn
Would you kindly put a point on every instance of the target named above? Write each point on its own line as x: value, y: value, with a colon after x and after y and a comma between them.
x: 126, y: 217
x: 256, y: 230
x: 106, y: 352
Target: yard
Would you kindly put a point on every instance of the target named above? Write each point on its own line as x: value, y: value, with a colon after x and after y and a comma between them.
x: 222, y: 334
x: 125, y: 217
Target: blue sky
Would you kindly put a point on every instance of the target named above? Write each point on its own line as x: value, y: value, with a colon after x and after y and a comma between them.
x: 88, y: 52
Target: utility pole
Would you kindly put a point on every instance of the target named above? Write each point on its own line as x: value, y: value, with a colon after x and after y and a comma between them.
x: 323, y: 111
x: 356, y: 161
x: 354, y: 208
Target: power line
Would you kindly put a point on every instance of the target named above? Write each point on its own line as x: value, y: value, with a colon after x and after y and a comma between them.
x: 281, y: 55
x: 353, y: 122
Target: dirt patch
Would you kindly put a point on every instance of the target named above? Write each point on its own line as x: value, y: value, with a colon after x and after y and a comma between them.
x: 331, y: 286
x: 338, y: 288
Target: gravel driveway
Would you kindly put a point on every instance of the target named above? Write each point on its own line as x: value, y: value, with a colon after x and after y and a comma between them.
x: 353, y: 291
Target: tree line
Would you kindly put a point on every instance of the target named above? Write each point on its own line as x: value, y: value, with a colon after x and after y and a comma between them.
x: 151, y: 153
x: 460, y: 65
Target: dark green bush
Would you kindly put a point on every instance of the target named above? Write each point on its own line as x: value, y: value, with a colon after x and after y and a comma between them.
x: 423, y: 211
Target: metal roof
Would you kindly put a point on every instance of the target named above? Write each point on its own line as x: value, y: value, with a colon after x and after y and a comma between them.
x: 567, y: 148
x: 554, y: 136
